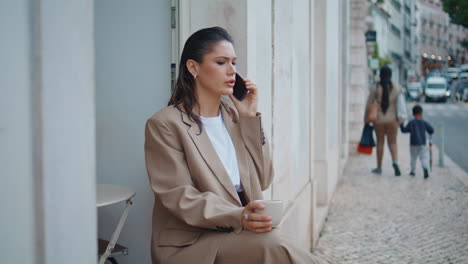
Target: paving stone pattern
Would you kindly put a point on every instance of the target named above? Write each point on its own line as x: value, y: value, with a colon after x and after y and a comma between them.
x: 388, y: 219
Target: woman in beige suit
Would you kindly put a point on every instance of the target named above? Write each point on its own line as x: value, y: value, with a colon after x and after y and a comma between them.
x: 386, y: 125
x: 207, y: 161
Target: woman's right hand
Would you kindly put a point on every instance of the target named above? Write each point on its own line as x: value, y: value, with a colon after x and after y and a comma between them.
x: 254, y: 222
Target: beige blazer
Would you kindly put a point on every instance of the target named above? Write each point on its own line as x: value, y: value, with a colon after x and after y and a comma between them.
x: 194, y: 195
x: 375, y: 94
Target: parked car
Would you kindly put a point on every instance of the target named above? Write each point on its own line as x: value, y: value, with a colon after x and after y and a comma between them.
x: 463, y: 77
x: 452, y: 73
x: 464, y: 68
x: 414, y: 91
x: 436, y: 89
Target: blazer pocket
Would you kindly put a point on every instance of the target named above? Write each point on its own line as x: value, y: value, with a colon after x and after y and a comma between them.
x: 177, y: 238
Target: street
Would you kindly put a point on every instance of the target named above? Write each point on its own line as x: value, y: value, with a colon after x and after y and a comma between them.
x: 454, y: 119
x: 387, y: 219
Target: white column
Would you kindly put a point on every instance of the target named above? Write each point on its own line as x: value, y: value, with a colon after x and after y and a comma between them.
x: 18, y: 229
x: 67, y: 131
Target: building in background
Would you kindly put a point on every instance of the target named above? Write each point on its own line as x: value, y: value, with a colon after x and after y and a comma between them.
x: 396, y: 47
x: 379, y: 21
x: 416, y: 35
x: 410, y: 40
x: 434, y: 35
x: 390, y: 19
x: 457, y: 53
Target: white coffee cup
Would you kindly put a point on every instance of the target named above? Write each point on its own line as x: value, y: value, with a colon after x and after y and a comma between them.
x: 273, y: 208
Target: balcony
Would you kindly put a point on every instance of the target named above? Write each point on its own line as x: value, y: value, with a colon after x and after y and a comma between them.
x: 407, y: 9
x: 395, y: 30
x: 407, y: 31
x: 408, y: 55
x: 396, y: 4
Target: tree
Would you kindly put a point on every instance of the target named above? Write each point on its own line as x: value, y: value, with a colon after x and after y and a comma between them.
x: 457, y: 10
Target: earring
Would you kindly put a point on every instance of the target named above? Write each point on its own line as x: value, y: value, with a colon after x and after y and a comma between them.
x: 194, y: 76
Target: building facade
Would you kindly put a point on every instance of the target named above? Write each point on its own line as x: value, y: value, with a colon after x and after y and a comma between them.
x: 396, y: 38
x: 456, y: 52
x: 433, y: 35
x: 89, y: 74
x: 410, y: 40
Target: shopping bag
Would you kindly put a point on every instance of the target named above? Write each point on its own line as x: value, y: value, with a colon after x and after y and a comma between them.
x: 367, y: 140
x: 402, y: 112
x: 363, y: 149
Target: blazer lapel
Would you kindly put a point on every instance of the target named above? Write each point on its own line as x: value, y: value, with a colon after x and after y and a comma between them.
x: 207, y: 151
x: 230, y: 120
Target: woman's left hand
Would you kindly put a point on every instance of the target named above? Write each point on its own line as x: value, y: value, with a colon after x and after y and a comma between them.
x: 248, y: 106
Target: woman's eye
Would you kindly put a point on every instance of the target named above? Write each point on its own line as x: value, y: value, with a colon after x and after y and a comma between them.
x: 234, y: 63
x: 220, y: 62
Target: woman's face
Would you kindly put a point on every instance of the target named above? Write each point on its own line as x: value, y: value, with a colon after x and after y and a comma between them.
x: 217, y: 72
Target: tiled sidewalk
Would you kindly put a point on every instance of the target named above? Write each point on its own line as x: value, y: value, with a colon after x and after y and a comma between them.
x: 388, y: 219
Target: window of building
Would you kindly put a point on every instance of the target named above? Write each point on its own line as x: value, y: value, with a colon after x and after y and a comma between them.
x: 395, y: 30
x: 397, y: 4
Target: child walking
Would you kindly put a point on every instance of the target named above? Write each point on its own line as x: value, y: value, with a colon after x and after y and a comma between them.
x: 418, y: 148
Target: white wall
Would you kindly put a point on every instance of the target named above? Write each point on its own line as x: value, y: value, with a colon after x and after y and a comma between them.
x: 252, y: 41
x: 291, y: 109
x: 381, y: 26
x: 133, y: 47
x: 18, y: 218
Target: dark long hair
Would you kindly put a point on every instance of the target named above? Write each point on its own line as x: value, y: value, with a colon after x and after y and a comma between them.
x: 196, y: 46
x: 386, y: 83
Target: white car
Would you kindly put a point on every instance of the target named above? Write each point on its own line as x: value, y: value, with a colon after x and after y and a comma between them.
x: 414, y: 91
x: 436, y: 89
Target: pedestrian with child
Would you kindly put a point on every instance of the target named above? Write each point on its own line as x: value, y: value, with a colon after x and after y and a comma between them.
x: 384, y: 97
x: 418, y: 147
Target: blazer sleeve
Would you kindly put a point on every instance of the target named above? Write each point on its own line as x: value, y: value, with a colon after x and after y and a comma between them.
x: 172, y: 184
x: 370, y: 99
x: 258, y: 148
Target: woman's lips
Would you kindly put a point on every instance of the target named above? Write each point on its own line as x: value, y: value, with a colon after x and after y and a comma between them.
x: 231, y: 83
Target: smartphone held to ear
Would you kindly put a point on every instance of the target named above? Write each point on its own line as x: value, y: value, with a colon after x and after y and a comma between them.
x: 239, y: 89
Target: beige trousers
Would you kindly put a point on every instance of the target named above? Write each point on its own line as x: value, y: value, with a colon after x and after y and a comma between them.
x: 389, y: 130
x: 268, y: 248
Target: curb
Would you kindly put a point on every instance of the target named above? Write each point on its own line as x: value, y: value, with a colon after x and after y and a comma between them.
x: 451, y: 166
x: 456, y: 170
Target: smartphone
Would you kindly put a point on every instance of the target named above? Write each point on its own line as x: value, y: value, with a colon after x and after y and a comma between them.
x: 239, y: 90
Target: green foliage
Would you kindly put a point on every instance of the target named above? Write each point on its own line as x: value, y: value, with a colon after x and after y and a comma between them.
x: 383, y: 61
x: 376, y: 50
x: 457, y: 10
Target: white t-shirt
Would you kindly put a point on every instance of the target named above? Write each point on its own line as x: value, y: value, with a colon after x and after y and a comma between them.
x: 222, y: 143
